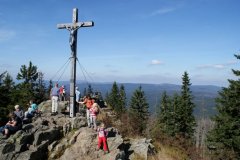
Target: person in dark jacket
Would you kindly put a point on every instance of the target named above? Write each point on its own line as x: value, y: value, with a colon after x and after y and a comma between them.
x: 19, y: 112
x: 13, y: 125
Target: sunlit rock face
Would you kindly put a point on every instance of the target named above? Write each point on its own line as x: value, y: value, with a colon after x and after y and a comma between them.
x: 64, y: 138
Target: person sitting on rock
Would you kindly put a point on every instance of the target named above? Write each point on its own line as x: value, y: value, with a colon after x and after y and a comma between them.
x: 13, y: 125
x: 32, y: 109
x: 102, y: 138
x: 19, y: 112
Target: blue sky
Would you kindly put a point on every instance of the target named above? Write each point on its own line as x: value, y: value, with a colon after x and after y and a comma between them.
x: 137, y: 41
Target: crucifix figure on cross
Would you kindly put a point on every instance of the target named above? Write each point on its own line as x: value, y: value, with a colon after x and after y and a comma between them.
x: 72, y: 37
x: 73, y: 28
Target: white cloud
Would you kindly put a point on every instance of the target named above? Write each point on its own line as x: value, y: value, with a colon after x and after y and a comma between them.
x: 231, y: 62
x: 162, y: 11
x: 6, y: 35
x: 217, y: 66
x: 156, y: 62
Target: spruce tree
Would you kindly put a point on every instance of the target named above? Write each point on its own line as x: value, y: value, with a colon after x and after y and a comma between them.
x: 9, y: 87
x: 138, y: 112
x: 6, y: 90
x: 122, y: 99
x: 224, y: 138
x: 2, y: 75
x: 166, y: 115
x: 40, y: 91
x: 8, y: 82
x: 185, y: 121
x: 162, y: 111
x: 28, y: 74
x: 26, y: 90
x: 113, y: 99
x: 175, y: 103
x: 116, y: 99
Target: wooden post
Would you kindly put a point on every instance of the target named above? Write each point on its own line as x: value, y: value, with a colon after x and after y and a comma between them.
x: 73, y: 28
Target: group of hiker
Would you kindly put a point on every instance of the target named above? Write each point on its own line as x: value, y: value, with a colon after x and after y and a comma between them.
x: 92, y: 110
x: 17, y: 118
x: 59, y: 94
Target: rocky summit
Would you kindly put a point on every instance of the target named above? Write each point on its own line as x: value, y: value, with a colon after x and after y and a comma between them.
x: 64, y: 138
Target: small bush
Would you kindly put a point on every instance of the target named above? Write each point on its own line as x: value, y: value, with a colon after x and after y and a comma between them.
x: 103, y: 117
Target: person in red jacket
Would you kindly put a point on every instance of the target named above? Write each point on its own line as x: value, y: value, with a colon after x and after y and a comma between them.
x: 62, y: 93
x: 102, y: 138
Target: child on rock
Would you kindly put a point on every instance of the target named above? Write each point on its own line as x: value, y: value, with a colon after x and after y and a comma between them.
x: 93, y: 115
x: 102, y: 138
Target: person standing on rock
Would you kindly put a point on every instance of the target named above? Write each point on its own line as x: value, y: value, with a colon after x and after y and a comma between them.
x: 93, y: 111
x: 62, y: 93
x: 55, y: 98
x: 78, y: 95
x: 88, y: 101
x: 102, y: 138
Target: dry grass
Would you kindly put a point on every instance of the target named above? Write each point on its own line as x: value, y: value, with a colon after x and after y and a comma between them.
x: 166, y: 152
x: 137, y: 157
x: 103, y: 117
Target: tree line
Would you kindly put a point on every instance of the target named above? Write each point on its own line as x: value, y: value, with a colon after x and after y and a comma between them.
x: 30, y: 86
x: 174, y: 121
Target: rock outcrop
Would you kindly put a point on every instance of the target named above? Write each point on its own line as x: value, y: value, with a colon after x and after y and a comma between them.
x: 64, y: 138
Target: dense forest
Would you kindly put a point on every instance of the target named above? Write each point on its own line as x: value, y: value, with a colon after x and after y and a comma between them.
x: 173, y: 124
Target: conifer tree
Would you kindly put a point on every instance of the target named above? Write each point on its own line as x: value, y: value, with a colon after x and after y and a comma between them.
x: 185, y: 121
x: 175, y: 103
x: 166, y: 114
x: 22, y: 94
x: 40, y: 91
x: 113, y: 99
x: 2, y: 76
x: 162, y: 111
x: 26, y: 90
x: 8, y: 82
x: 6, y: 90
x: 138, y: 111
x: 122, y: 99
x: 224, y: 138
x: 28, y: 74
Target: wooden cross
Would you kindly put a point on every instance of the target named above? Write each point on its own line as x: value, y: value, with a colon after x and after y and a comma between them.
x: 73, y: 27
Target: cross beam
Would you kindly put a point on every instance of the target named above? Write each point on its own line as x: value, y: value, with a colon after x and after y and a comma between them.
x: 78, y: 24
x: 73, y: 27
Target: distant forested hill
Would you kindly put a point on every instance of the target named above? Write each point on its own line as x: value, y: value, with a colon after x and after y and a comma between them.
x: 204, y: 95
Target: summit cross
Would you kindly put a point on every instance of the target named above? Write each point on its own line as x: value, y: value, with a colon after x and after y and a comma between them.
x: 73, y: 28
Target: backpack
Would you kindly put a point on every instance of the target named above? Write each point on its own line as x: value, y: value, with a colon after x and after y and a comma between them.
x: 96, y: 108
